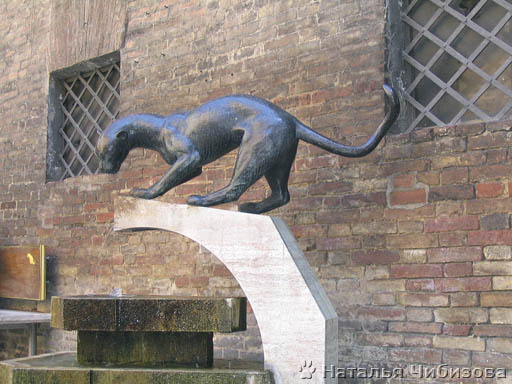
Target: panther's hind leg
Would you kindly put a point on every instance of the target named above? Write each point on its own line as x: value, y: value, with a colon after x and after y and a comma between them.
x: 277, y: 178
x: 253, y: 160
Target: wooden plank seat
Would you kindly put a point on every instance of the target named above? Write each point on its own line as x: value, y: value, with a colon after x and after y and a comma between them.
x: 23, y: 276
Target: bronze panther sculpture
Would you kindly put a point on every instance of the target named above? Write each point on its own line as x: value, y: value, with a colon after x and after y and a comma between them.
x: 267, y: 136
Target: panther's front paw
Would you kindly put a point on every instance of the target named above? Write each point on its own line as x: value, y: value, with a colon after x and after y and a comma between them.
x: 142, y: 193
x: 195, y: 200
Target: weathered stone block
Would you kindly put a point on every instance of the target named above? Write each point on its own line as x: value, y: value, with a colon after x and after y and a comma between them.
x: 467, y: 343
x: 145, y: 348
x: 501, y: 315
x: 62, y: 368
x: 500, y: 344
x: 492, y: 268
x: 502, y: 283
x: 149, y: 313
x: 461, y: 315
x: 498, y: 252
x: 496, y: 299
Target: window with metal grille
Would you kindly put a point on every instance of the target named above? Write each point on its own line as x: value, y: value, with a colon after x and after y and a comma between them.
x: 456, y: 61
x: 84, y: 100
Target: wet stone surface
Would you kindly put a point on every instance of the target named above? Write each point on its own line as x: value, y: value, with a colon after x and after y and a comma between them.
x: 145, y: 349
x: 149, y: 313
x: 62, y: 368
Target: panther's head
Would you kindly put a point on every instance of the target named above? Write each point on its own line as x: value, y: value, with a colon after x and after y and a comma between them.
x: 113, y: 146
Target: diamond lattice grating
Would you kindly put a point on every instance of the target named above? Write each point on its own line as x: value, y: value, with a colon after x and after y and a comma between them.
x: 90, y: 103
x: 459, y: 58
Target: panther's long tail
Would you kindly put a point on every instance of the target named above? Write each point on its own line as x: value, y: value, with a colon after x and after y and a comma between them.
x: 307, y: 134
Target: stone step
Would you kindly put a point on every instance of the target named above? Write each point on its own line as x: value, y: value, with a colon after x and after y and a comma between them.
x: 62, y: 368
x: 149, y: 313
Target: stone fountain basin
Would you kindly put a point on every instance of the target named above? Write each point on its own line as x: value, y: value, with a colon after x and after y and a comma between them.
x: 63, y: 368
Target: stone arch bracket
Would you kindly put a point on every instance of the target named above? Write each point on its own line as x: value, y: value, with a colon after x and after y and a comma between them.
x: 297, y: 322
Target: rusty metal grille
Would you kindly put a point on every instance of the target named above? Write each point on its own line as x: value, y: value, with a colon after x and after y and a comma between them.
x: 459, y: 60
x: 89, y: 103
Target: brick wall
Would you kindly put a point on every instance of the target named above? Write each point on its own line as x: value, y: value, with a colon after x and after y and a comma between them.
x: 411, y: 243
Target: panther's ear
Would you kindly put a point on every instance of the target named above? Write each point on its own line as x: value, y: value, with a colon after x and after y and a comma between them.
x: 123, y: 135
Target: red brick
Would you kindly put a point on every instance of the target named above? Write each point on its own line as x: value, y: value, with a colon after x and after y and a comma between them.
x: 181, y: 282
x: 492, y: 330
x: 454, y: 254
x: 463, y: 284
x: 403, y: 181
x: 496, y: 156
x: 456, y: 357
x: 396, y: 152
x: 79, y: 219
x: 491, y: 171
x: 130, y: 174
x: 301, y: 203
x: 330, y: 188
x: 382, y: 339
x: 429, y: 178
x: 105, y: 217
x: 199, y: 281
x: 502, y: 237
x: 418, y: 341
x: 97, y: 241
x: 328, y: 94
x: 316, y: 162
x: 404, y: 214
x: 456, y: 329
x: 380, y: 313
x: 486, y: 190
x: 451, y: 192
x: 282, y: 42
x: 423, y: 299
x: 100, y: 270
x: 398, y: 167
x: 424, y: 285
x: 454, y: 176
x: 117, y: 259
x: 188, y: 189
x: 309, y: 231
x: 367, y: 257
x: 362, y: 200
x: 496, y: 299
x: 422, y: 135
x: 412, y: 241
x: 8, y: 205
x: 94, y: 207
x: 495, y: 221
x: 415, y: 355
x: 415, y: 196
x: 452, y: 239
x: 412, y: 327
x: 221, y: 270
x: 489, y: 359
x: 484, y: 206
x: 416, y: 270
x: 444, y: 224
x: 338, y: 217
x: 458, y: 269
x: 332, y: 244
x: 464, y: 299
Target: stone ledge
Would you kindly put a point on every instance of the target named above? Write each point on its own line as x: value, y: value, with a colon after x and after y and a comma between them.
x: 149, y: 313
x: 62, y: 368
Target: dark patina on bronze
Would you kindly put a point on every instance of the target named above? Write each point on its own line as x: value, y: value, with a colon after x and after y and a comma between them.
x: 267, y: 137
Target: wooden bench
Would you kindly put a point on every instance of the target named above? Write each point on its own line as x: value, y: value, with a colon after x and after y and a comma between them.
x: 23, y: 276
